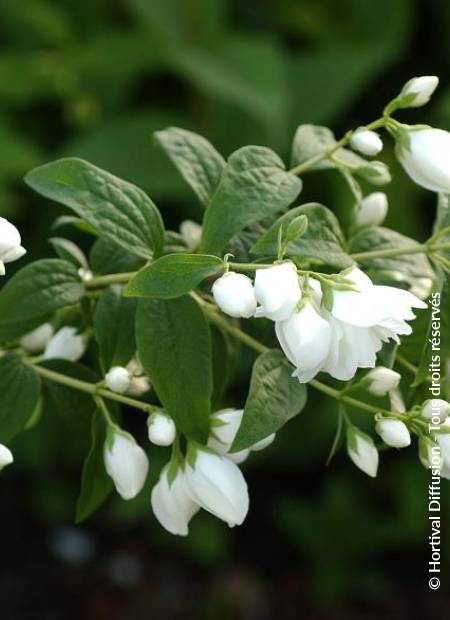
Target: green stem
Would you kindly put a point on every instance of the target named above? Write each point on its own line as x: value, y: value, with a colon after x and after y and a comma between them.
x: 389, y: 252
x: 91, y: 388
x: 112, y: 278
x: 215, y: 318
x: 303, y: 167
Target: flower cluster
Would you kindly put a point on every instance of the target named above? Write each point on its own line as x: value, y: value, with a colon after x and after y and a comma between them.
x: 336, y: 333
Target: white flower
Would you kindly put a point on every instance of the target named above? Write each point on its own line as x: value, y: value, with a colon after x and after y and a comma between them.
x: 10, y: 248
x: 418, y: 90
x: 172, y: 504
x: 305, y: 338
x: 394, y: 433
x: 138, y: 386
x: 224, y: 426
x: 430, y: 453
x: 217, y: 485
x: 191, y: 233
x: 36, y: 340
x: 234, y: 294
x: 436, y: 408
x: 125, y: 462
x: 262, y: 444
x: 118, y: 379
x: 382, y: 380
x: 425, y: 156
x: 362, y: 451
x: 366, y: 141
x: 66, y: 344
x: 277, y: 290
x: 444, y: 444
x: 373, y: 210
x: 161, y: 429
x: 6, y: 457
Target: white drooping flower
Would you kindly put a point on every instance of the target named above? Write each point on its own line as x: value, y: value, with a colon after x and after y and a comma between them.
x: 362, y: 319
x: 36, y: 340
x: 277, y: 290
x: 6, y: 457
x: 217, y: 485
x: 10, y: 240
x: 417, y: 91
x: 234, y: 294
x: 394, y: 433
x: 66, y: 344
x: 224, y: 426
x: 373, y: 210
x: 424, y: 153
x: 125, y: 462
x: 382, y: 380
x: 161, y: 429
x: 362, y: 451
x: 366, y: 141
x: 172, y: 503
x: 436, y: 408
x: 305, y: 338
x: 118, y: 379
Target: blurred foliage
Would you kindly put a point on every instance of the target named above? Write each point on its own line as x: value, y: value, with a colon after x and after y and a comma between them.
x: 95, y: 79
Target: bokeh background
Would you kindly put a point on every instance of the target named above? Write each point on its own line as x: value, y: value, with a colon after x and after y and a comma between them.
x: 95, y: 79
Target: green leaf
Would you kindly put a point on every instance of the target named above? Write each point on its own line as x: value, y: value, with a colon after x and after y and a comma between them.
x: 69, y: 251
x: 12, y: 331
x: 310, y: 141
x: 197, y: 160
x: 253, y: 186
x: 96, y: 485
x: 174, y: 347
x: 322, y: 241
x: 107, y: 257
x: 114, y: 319
x: 74, y: 407
x: 37, y: 290
x: 404, y: 268
x: 173, y: 275
x: 274, y: 398
x: 20, y: 391
x: 117, y: 209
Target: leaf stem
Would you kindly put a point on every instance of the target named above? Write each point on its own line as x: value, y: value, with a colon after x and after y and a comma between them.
x: 388, y: 252
x: 112, y: 278
x: 91, y: 388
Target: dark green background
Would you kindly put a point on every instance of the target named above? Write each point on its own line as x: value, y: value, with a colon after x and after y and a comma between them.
x: 95, y: 79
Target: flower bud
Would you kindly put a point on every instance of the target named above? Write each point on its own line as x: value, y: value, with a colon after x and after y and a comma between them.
x: 36, y: 340
x: 422, y: 287
x: 10, y: 248
x: 6, y: 457
x: 161, y: 429
x: 118, y: 379
x: 382, y: 380
x: 430, y: 453
x: 436, y: 410
x: 234, y: 294
x: 366, y: 141
x: 217, y: 485
x: 373, y: 210
x: 138, y: 386
x: 66, y: 344
x: 425, y: 155
x: 262, y: 444
x: 394, y: 433
x: 374, y: 172
x: 417, y: 91
x: 277, y: 290
x: 172, y: 504
x: 224, y: 426
x: 362, y: 451
x: 125, y: 462
x: 191, y: 233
